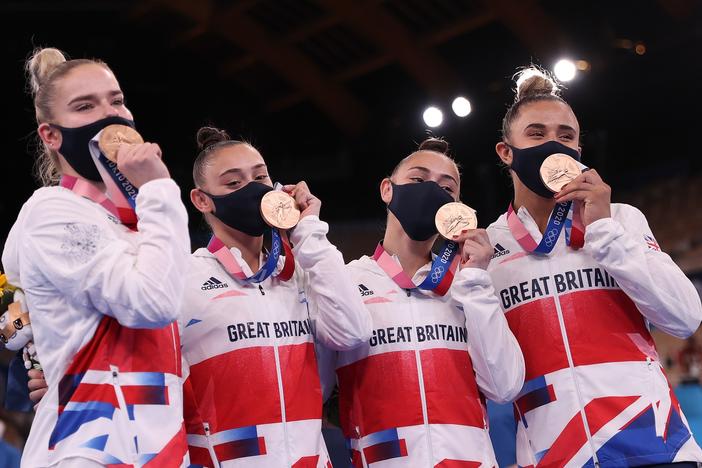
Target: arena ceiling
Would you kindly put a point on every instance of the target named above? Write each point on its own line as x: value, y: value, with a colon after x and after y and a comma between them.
x: 333, y: 91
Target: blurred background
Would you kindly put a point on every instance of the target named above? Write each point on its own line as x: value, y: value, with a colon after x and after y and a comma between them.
x: 337, y: 92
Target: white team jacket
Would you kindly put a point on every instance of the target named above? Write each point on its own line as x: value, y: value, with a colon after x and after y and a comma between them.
x: 411, y: 396
x: 253, y: 397
x: 595, y: 391
x: 103, y: 302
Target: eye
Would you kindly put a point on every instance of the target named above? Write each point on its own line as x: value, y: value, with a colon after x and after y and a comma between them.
x: 84, y: 107
x: 417, y: 179
x: 233, y: 183
x: 567, y: 137
x: 118, y: 102
x: 261, y: 177
x: 535, y: 133
x: 448, y: 189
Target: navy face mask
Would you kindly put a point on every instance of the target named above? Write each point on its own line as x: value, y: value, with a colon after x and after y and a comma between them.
x: 74, y: 145
x: 415, y: 206
x: 241, y: 209
x: 526, y: 162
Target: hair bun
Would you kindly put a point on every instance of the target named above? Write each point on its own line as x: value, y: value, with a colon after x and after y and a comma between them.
x: 41, y: 65
x: 434, y: 144
x: 533, y: 81
x: 208, y: 136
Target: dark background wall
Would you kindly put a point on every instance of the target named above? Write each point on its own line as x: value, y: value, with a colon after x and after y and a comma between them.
x: 333, y: 91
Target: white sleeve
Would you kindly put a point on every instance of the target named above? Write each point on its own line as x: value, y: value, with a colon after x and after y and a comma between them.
x: 341, y: 319
x: 141, y: 286
x: 660, y: 290
x: 497, y: 358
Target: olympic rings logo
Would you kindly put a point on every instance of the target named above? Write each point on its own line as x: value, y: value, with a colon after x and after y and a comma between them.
x: 436, y: 274
x: 550, y: 237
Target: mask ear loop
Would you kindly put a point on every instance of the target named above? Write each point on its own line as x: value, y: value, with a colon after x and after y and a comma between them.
x: 210, y: 197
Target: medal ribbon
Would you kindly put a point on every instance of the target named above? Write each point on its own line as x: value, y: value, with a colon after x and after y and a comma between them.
x: 439, y: 279
x: 566, y: 214
x: 229, y: 262
x: 120, y: 191
x: 87, y: 190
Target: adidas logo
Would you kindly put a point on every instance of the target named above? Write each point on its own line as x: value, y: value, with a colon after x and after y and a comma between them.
x: 364, y: 290
x: 213, y: 283
x: 499, y: 251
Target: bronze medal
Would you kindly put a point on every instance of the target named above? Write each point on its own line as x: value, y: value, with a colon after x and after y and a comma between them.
x: 115, y: 135
x: 279, y: 210
x: 454, y: 217
x: 557, y: 170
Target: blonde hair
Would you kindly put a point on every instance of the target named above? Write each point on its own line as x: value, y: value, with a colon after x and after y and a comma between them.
x: 44, y: 68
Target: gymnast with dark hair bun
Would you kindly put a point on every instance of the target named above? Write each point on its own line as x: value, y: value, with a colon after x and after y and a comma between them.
x: 412, y: 395
x: 254, y: 309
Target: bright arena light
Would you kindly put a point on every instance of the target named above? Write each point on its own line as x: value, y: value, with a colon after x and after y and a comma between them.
x: 461, y: 106
x: 433, y: 117
x: 565, y: 70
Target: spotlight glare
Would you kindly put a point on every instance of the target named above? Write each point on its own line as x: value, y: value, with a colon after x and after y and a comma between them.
x: 461, y: 106
x: 565, y: 70
x: 433, y: 117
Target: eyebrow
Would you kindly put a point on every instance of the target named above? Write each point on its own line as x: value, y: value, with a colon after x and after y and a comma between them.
x: 236, y: 170
x: 90, y: 97
x: 427, y: 171
x: 541, y: 126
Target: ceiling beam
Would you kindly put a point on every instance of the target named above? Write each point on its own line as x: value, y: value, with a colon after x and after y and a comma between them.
x: 447, y: 33
x: 373, y: 21
x: 530, y: 24
x: 290, y: 63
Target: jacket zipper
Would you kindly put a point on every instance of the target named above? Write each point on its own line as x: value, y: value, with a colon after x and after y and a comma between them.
x: 659, y: 413
x: 571, y: 365
x: 178, y: 359
x: 210, y: 447
x: 124, y: 413
x: 422, y: 394
x: 281, y: 392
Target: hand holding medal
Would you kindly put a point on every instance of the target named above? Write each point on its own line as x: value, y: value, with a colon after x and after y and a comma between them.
x: 458, y: 222
x: 308, y: 204
x: 280, y: 211
x: 139, y: 162
x: 572, y: 181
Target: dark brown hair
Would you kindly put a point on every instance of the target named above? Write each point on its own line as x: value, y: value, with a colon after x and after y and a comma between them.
x: 437, y: 145
x: 209, y: 140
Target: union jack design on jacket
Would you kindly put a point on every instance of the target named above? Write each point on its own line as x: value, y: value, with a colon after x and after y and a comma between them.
x: 125, y: 376
x: 103, y: 302
x: 595, y: 392
x: 252, y: 390
x: 412, y: 396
